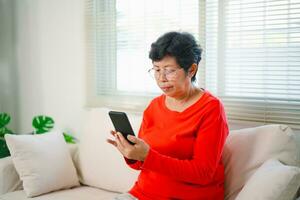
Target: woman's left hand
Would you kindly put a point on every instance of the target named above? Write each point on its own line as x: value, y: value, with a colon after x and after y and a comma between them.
x: 138, y: 151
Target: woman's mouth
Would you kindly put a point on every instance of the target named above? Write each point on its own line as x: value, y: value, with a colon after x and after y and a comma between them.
x: 166, y: 88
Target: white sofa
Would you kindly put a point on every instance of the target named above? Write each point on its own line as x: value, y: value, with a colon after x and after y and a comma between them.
x: 103, y: 173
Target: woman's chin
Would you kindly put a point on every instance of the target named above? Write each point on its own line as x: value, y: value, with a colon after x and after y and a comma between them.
x: 168, y: 91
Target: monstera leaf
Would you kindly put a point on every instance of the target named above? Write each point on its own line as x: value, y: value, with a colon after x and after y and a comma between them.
x: 4, y: 119
x: 42, y: 124
x: 4, y: 152
x: 4, y: 131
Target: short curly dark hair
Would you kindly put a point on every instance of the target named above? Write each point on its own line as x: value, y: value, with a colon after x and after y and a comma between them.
x: 180, y: 45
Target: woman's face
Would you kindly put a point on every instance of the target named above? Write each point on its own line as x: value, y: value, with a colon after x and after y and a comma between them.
x: 171, y: 78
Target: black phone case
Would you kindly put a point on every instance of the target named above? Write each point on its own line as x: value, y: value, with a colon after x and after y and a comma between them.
x: 121, y: 123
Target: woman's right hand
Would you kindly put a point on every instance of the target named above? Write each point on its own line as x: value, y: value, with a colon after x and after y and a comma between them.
x: 113, y: 142
x: 138, y: 151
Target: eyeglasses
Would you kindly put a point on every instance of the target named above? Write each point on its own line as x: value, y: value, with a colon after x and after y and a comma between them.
x: 170, y: 74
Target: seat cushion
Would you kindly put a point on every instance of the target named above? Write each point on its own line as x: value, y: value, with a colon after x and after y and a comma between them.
x: 247, y: 149
x: 78, y: 193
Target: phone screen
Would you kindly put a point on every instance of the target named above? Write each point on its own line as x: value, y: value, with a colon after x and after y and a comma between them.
x: 121, y: 123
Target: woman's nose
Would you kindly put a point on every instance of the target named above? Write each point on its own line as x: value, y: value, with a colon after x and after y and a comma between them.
x: 162, y: 76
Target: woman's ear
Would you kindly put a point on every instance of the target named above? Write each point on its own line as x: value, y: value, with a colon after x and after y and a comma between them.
x: 193, y: 70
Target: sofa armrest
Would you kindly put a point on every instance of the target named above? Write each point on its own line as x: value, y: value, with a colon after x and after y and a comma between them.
x: 9, y: 178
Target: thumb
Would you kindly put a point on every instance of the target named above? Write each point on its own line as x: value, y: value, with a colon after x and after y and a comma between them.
x: 133, y: 139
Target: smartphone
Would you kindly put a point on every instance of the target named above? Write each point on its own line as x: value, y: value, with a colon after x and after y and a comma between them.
x: 121, y: 123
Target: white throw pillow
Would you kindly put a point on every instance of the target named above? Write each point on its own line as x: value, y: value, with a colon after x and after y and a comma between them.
x: 43, y: 162
x: 101, y: 164
x: 247, y: 149
x: 272, y: 181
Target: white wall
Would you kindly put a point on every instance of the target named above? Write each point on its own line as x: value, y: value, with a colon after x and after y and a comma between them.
x: 51, y: 62
x: 8, y: 77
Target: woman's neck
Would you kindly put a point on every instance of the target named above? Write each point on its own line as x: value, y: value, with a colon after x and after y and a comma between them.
x: 186, y: 97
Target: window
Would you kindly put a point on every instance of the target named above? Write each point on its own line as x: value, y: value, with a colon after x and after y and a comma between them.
x: 251, y: 54
x: 253, y: 58
x: 122, y: 33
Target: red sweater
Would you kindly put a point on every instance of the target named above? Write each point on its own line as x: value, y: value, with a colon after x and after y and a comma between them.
x: 184, y: 161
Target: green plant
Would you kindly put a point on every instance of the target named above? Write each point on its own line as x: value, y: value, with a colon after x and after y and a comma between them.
x: 4, y: 152
x: 41, y: 124
x: 4, y: 121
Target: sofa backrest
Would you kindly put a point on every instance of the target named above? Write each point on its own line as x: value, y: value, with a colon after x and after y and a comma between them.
x: 9, y: 178
x: 101, y: 165
x: 247, y: 149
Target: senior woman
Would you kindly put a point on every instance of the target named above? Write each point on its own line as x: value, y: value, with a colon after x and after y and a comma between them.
x: 182, y: 135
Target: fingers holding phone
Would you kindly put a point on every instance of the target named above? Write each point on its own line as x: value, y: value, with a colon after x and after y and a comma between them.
x: 121, y: 143
x: 113, y: 142
x: 131, y: 140
x: 138, y: 151
x: 130, y: 146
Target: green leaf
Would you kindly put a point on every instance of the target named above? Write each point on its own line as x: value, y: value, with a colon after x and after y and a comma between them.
x: 42, y: 124
x: 69, y: 138
x: 4, y: 119
x: 4, y: 152
x: 4, y: 131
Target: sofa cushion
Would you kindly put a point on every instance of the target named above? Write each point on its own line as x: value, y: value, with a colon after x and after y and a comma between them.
x: 282, y: 182
x: 247, y: 149
x: 99, y: 163
x: 43, y: 162
x: 77, y: 193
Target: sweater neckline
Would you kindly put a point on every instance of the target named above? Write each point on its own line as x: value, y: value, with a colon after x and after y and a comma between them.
x: 163, y: 102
